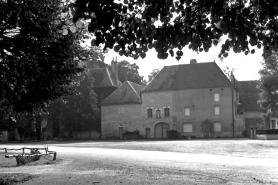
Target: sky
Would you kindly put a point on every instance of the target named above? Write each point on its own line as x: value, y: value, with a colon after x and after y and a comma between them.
x: 245, y: 67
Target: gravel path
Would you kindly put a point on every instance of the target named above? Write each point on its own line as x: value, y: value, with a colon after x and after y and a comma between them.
x: 87, y: 165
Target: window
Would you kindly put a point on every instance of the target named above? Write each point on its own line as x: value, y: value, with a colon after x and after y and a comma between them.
x: 187, y: 111
x: 216, y: 110
x: 217, y: 127
x: 187, y: 127
x: 273, y: 124
x: 150, y: 113
x: 166, y: 112
x: 158, y: 113
x: 216, y: 97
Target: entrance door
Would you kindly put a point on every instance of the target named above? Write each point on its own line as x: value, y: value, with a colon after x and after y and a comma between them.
x: 148, y: 132
x: 160, y: 130
x: 121, y: 131
x: 206, y: 127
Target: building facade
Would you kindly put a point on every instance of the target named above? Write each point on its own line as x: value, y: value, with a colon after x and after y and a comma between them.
x: 196, y: 100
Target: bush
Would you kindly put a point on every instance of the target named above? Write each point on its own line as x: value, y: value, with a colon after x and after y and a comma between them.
x: 172, y: 134
x: 132, y: 135
x: 270, y: 131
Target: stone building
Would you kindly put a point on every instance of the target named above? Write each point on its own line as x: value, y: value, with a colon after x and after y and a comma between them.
x: 194, y: 99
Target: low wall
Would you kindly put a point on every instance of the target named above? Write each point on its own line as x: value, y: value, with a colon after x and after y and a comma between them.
x: 86, y: 135
x: 271, y: 134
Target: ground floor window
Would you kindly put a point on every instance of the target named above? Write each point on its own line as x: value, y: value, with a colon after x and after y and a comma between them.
x: 217, y: 127
x: 187, y: 127
x: 273, y: 124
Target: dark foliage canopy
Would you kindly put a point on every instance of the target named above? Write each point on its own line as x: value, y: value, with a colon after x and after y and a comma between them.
x: 132, y: 27
x: 79, y: 112
x: 128, y: 71
x: 268, y: 84
x: 36, y: 61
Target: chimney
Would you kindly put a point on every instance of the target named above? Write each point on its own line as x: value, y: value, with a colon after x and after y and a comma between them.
x: 193, y: 61
x: 114, y: 68
x: 232, y: 77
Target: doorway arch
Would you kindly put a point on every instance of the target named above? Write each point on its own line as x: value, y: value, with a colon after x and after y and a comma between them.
x: 160, y: 130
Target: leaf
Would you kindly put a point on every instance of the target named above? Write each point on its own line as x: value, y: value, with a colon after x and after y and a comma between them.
x: 79, y: 24
x: 253, y: 51
x: 171, y: 52
x: 65, y: 32
x: 117, y: 48
x: 73, y: 29
x: 93, y: 42
x: 143, y: 55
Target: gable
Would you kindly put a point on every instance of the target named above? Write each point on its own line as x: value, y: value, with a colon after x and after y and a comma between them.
x: 125, y: 94
x: 103, y: 78
x: 189, y: 76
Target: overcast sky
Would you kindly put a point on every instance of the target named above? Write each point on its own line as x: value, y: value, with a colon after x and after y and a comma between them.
x: 245, y: 67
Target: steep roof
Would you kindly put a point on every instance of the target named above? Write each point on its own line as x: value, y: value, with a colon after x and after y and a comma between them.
x: 249, y: 95
x: 127, y: 93
x: 103, y: 78
x: 189, y: 76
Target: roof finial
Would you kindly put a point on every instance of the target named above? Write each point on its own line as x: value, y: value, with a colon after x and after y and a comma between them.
x: 116, y: 58
x: 113, y: 59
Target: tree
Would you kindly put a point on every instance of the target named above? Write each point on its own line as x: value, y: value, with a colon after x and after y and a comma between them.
x: 132, y: 27
x: 268, y: 85
x: 79, y: 112
x: 153, y: 74
x: 37, y: 62
x: 127, y: 71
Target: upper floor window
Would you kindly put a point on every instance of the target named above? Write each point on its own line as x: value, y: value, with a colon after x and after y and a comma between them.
x: 150, y: 113
x: 216, y: 97
x: 158, y: 113
x: 166, y: 112
x: 216, y: 110
x: 187, y: 111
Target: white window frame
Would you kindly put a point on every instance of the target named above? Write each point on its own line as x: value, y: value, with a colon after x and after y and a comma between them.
x: 215, y: 110
x: 217, y: 127
x: 216, y: 97
x: 156, y: 113
x: 185, y: 112
x: 187, y: 127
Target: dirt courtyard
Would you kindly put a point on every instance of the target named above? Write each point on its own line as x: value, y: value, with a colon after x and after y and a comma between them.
x: 218, y: 161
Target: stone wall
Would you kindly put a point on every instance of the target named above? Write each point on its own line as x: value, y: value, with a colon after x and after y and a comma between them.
x: 128, y: 116
x: 158, y: 100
